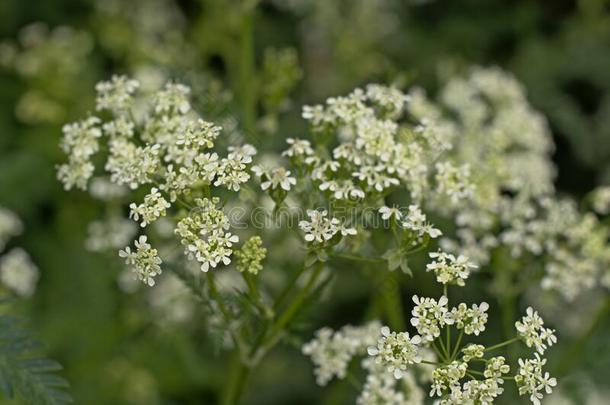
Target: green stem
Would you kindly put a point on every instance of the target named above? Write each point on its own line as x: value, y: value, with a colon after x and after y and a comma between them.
x: 499, y: 345
x: 457, y: 345
x: 279, y: 301
x: 357, y: 258
x: 392, y: 302
x: 276, y: 329
x: 238, y: 376
x: 255, y: 295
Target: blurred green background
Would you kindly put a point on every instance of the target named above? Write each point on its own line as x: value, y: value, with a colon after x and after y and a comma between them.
x: 113, y: 347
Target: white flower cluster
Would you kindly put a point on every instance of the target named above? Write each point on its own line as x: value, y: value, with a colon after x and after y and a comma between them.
x: 320, y: 229
x: 145, y: 261
x: 274, y: 178
x: 532, y: 331
x: 160, y: 143
x: 429, y: 316
x: 116, y: 95
x: 112, y: 233
x: 204, y: 233
x: 416, y: 221
x: 396, y: 351
x: 375, y: 153
x: 472, y: 320
x: 332, y: 352
x: 450, y: 269
x: 17, y: 272
x: 10, y: 226
x: 153, y: 207
x: 80, y: 141
x: 531, y: 379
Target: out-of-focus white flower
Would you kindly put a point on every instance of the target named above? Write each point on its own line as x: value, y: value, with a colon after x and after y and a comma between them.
x: 18, y: 273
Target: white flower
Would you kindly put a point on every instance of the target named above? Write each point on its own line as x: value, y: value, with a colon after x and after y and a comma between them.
x: 298, y: 148
x: 274, y: 178
x: 415, y: 221
x: 153, y: 207
x: 471, y: 320
x: 429, y: 316
x: 109, y: 234
x: 396, y: 351
x: 18, y: 273
x: 387, y: 213
x: 331, y: 352
x: 173, y: 98
x: 449, y: 269
x: 446, y: 378
x: 144, y: 260
x: 204, y: 234
x: 116, y: 95
x: 10, y: 226
x: 320, y: 229
x: 533, y: 333
x: 531, y: 379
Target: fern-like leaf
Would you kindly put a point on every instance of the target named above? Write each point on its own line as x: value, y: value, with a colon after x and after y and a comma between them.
x: 23, y: 372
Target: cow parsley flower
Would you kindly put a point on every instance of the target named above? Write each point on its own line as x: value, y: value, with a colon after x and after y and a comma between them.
x: 471, y: 320
x: 320, y: 229
x: 116, y: 95
x: 80, y: 142
x: 109, y: 234
x: 473, y: 351
x: 10, y: 226
x: 299, y: 148
x: 449, y: 269
x: 331, y: 351
x: 275, y: 178
x: 388, y: 213
x: 250, y: 256
x: 416, y: 221
x: 204, y: 234
x: 495, y: 368
x: 429, y: 316
x: 453, y: 182
x: 153, y: 207
x: 396, y: 351
x: 145, y: 262
x: 18, y: 273
x: 174, y: 98
x: 531, y: 330
x: 531, y: 379
x: 447, y: 378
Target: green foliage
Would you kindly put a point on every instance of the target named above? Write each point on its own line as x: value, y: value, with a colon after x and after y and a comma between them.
x: 24, y: 373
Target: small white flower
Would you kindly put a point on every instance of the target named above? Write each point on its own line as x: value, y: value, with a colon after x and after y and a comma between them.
x: 387, y: 213
x: 396, y: 351
x: 533, y: 333
x: 144, y: 260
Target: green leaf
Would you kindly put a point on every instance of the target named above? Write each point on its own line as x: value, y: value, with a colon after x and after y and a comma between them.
x: 23, y: 372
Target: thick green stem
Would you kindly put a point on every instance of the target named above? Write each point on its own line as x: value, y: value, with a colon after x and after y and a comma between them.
x: 292, y: 310
x: 238, y: 376
x: 392, y: 303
